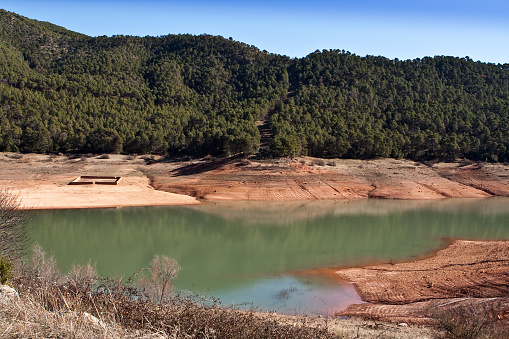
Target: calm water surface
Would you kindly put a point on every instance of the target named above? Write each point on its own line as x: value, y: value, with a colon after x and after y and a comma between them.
x: 255, y: 253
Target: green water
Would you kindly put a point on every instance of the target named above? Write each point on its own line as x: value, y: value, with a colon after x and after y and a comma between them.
x: 250, y: 252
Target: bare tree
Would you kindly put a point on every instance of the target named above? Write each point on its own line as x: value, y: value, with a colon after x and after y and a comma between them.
x: 13, y: 226
x: 158, y: 284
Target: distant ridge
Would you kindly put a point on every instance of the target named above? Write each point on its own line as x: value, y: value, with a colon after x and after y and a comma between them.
x: 62, y: 91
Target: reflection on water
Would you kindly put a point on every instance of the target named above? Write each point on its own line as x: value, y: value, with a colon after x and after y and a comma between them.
x: 291, y: 295
x: 229, y: 249
x: 283, y: 212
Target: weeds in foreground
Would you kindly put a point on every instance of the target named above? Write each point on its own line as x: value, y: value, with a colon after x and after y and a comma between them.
x: 157, y: 286
x: 82, y: 305
x: 488, y: 319
x: 13, y: 226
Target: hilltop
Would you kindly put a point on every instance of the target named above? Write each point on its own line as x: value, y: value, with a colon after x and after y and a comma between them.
x: 61, y: 91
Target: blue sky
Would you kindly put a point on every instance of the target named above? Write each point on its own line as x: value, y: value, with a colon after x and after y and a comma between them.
x: 404, y: 29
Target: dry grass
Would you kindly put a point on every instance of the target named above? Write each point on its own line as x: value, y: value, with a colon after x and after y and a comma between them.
x: 28, y: 318
x: 113, y: 311
x: 489, y: 319
x: 82, y: 305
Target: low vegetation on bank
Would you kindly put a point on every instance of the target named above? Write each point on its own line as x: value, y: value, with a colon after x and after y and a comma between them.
x: 481, y: 320
x: 81, y: 305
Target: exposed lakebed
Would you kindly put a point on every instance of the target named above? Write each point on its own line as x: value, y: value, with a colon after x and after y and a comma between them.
x: 261, y: 253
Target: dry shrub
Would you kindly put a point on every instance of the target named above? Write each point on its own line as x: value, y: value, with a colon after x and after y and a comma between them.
x: 13, y: 226
x: 44, y: 267
x: 83, y: 278
x: 17, y: 156
x: 157, y: 286
x: 73, y: 156
x: 67, y: 307
x: 488, y: 319
x: 285, y: 293
x: 192, y: 317
x: 149, y: 159
x: 29, y: 318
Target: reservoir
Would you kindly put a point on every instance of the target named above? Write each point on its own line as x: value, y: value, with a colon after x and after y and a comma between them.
x: 266, y: 255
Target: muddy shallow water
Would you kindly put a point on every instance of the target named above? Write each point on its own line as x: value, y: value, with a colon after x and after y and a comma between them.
x: 255, y: 254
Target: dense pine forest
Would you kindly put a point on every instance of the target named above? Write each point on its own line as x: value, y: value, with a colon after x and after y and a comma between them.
x: 62, y: 91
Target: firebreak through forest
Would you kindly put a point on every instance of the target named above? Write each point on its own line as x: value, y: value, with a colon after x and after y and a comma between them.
x: 61, y: 91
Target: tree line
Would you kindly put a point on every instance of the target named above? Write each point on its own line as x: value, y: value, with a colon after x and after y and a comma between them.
x: 62, y: 91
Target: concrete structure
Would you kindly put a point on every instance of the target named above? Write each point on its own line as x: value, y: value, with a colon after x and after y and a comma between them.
x: 95, y: 180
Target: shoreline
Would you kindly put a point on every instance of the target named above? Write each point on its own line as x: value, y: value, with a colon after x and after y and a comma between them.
x: 462, y: 273
x: 41, y: 182
x: 334, y: 272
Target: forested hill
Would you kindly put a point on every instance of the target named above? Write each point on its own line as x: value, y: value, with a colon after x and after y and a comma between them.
x: 62, y: 91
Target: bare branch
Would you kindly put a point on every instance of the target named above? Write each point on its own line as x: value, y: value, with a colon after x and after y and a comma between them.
x: 13, y: 226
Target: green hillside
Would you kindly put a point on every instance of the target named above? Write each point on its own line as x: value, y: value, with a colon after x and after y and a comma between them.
x: 182, y: 94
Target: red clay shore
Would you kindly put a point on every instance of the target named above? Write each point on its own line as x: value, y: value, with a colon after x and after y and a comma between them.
x: 464, y: 273
x: 312, y: 179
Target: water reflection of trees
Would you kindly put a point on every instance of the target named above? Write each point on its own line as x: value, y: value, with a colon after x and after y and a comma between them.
x: 283, y: 212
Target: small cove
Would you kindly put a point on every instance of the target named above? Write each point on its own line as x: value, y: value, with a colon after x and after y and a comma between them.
x: 256, y: 254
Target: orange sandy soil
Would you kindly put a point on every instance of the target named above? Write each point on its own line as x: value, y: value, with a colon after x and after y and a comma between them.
x: 464, y: 273
x: 311, y: 179
x: 41, y: 182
